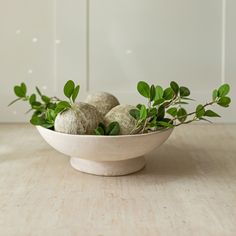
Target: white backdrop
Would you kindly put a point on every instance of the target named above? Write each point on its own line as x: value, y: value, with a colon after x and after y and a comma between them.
x: 109, y: 45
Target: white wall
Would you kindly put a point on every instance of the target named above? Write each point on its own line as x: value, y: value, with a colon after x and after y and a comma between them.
x: 110, y: 45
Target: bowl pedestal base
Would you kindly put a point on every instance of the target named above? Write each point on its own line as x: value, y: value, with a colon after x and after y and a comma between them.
x: 108, y: 168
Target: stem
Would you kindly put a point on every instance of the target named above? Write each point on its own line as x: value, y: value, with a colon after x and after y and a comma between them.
x: 56, y: 99
x: 136, y: 128
x: 144, y: 126
x: 192, y: 113
x: 187, y: 122
x: 172, y: 102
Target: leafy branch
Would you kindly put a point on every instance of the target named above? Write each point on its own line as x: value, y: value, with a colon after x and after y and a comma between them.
x: 164, y: 107
x: 45, y: 108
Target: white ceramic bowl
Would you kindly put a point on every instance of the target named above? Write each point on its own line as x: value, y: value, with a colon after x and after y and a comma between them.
x: 105, y: 155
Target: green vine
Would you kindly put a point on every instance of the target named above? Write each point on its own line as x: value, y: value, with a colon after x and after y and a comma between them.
x: 165, y: 109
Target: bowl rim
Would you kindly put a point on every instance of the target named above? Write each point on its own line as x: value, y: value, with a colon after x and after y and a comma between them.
x: 105, y: 136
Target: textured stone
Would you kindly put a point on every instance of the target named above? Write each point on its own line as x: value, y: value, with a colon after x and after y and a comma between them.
x: 103, y: 101
x: 121, y: 114
x: 82, y: 118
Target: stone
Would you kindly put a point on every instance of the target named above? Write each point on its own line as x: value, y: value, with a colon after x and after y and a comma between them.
x: 82, y: 118
x: 121, y: 115
x: 103, y: 101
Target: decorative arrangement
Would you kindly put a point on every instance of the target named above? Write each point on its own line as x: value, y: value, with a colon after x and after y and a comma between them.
x: 106, y: 138
x: 164, y: 109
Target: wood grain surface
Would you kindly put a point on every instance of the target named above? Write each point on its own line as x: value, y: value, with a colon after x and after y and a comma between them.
x: 187, y: 188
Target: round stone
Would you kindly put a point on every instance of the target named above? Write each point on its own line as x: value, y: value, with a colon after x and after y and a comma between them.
x: 103, y: 101
x: 121, y: 115
x: 82, y: 118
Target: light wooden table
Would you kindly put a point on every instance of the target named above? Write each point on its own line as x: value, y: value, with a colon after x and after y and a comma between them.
x: 187, y: 188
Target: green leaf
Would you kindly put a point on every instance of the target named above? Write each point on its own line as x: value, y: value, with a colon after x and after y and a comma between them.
x: 182, y: 114
x: 159, y: 93
x: 174, y: 86
x: 36, y: 104
x: 223, y: 90
x: 61, y: 106
x: 113, y: 128
x: 184, y: 91
x: 99, y: 131
x: 139, y: 106
x: 36, y: 113
x: 51, y: 115
x: 152, y: 93
x: 158, y: 101
x: 52, y: 105
x: 165, y: 124
x: 24, y: 88
x: 168, y: 94
x: 143, y: 89
x: 102, y: 126
x: 135, y: 113
x: 224, y: 101
x: 160, y: 112
x: 214, y: 94
x: 14, y: 101
x: 19, y: 91
x: 37, y: 120
x: 172, y: 111
x: 211, y: 113
x: 152, y: 112
x: 143, y: 113
x: 47, y: 125
x: 75, y: 93
x: 32, y: 99
x: 69, y: 88
x: 38, y: 91
x: 200, y: 111
x: 45, y: 99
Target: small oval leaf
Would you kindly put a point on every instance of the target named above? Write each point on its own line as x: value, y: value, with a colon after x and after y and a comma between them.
x: 62, y: 106
x: 211, y: 113
x: 168, y: 94
x: 135, y: 113
x: 223, y: 90
x: 172, y: 111
x: 152, y: 93
x: 24, y: 88
x: 143, y: 89
x: 19, y: 92
x: 224, y: 101
x: 69, y: 88
x: 182, y: 114
x: 200, y: 111
x: 75, y: 93
x: 159, y: 92
x: 214, y: 94
x: 32, y: 99
x: 113, y: 128
x: 143, y: 112
x: 174, y: 86
x: 184, y: 91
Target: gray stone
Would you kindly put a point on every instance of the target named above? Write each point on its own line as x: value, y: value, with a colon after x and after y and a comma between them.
x: 121, y: 114
x: 103, y: 101
x: 82, y: 118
